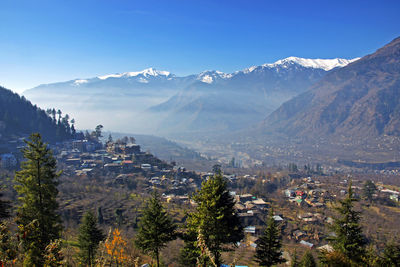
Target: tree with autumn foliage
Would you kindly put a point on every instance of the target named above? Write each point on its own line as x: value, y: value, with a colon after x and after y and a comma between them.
x: 156, y: 228
x: 114, y: 250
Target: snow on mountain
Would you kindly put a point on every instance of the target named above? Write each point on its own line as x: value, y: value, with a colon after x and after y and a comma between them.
x: 325, y: 64
x: 195, y: 102
x: 146, y: 73
x: 209, y: 76
x: 80, y: 81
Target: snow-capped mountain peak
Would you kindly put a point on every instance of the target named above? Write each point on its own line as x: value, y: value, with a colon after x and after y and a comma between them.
x: 80, y: 81
x: 150, y: 72
x: 209, y: 76
x: 325, y: 64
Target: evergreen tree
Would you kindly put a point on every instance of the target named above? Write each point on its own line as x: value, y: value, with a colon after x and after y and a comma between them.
x: 348, y: 239
x: 268, y: 251
x: 119, y: 219
x: 97, y: 132
x: 88, y: 240
x: 73, y: 131
x: 59, y: 112
x: 369, y: 190
x: 4, y: 208
x: 8, y: 246
x: 53, y: 113
x: 308, y: 260
x: 391, y: 255
x: 190, y: 252
x: 18, y: 115
x: 36, y: 185
x: 217, y: 169
x: 156, y: 228
x: 100, y: 218
x: 214, y: 222
x: 294, y: 260
x: 372, y: 258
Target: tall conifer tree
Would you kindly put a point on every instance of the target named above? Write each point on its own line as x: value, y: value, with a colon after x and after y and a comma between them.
x: 214, y: 224
x: 294, y: 262
x: 4, y: 207
x: 36, y: 185
x: 156, y: 228
x: 268, y: 251
x: 391, y: 255
x: 349, y: 240
x: 369, y: 190
x: 308, y: 260
x: 89, y: 238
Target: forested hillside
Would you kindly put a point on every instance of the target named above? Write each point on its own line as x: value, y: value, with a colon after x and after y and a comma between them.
x: 19, y: 117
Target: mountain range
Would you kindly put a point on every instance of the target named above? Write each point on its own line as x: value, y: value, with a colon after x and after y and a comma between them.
x: 360, y: 100
x: 153, y: 101
x: 337, y: 106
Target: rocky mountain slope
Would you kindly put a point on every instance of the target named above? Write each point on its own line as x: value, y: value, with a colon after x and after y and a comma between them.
x: 361, y: 100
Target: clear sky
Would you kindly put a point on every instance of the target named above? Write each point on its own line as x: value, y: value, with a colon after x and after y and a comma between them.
x: 58, y: 40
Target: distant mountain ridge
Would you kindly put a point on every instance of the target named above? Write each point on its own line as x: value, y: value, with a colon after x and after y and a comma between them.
x: 360, y: 100
x: 225, y: 102
x: 209, y: 75
x: 153, y: 100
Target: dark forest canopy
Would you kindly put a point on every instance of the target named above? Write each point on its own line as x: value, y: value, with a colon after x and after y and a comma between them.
x: 19, y: 117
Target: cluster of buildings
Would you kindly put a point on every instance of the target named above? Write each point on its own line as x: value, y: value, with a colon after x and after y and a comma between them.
x: 389, y: 193
x: 311, y: 197
x: 309, y: 193
x: 10, y: 153
x: 123, y: 163
x: 85, y: 157
x: 252, y: 212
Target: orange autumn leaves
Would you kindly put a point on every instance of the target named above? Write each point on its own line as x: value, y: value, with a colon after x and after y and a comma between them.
x: 115, y: 247
x: 116, y: 251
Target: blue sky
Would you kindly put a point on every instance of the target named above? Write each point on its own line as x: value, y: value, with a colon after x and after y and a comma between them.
x: 58, y: 40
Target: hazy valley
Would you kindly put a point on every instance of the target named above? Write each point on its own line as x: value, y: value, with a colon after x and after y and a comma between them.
x: 295, y: 162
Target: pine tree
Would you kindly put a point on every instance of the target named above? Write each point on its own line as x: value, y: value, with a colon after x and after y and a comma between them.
x: 100, y: 218
x: 268, y: 251
x: 190, y: 252
x: 348, y: 239
x: 294, y: 260
x: 110, y: 139
x: 4, y: 208
x: 308, y: 260
x: 214, y: 222
x: 89, y: 238
x: 391, y: 255
x: 36, y: 185
x: 8, y: 245
x: 369, y: 190
x: 156, y: 228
